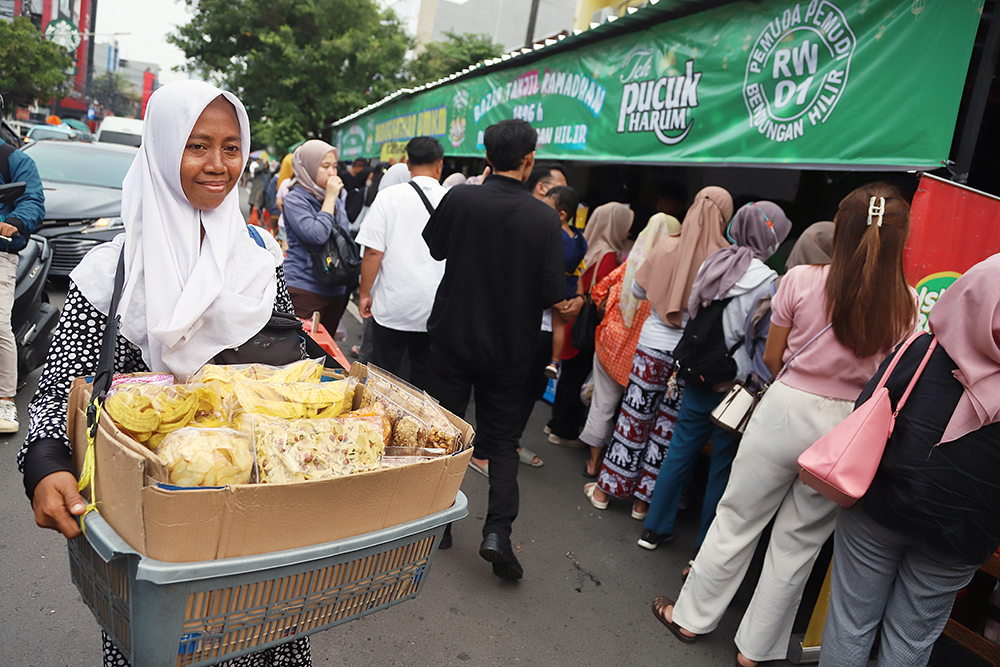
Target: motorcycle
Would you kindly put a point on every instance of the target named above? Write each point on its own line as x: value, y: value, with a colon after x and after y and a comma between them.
x: 32, y: 317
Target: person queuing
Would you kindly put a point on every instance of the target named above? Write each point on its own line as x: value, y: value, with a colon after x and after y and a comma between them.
x: 18, y: 219
x: 544, y: 177
x: 504, y: 267
x: 932, y: 514
x: 565, y: 201
x: 854, y: 311
x: 607, y: 238
x: 738, y: 275
x: 314, y: 203
x: 196, y: 283
x: 648, y: 415
x: 617, y: 337
x: 398, y: 275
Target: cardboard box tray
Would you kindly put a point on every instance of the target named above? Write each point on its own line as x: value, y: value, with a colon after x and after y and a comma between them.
x: 183, y: 525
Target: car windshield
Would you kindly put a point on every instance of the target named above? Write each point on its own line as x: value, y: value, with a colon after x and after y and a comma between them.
x: 44, y: 133
x: 86, y: 167
x: 121, y: 138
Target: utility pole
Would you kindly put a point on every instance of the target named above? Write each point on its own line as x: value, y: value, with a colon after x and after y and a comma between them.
x: 532, y: 15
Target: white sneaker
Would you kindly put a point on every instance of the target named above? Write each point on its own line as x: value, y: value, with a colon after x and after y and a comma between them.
x: 8, y: 417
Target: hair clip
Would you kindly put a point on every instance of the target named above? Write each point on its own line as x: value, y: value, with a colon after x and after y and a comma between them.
x: 874, y: 210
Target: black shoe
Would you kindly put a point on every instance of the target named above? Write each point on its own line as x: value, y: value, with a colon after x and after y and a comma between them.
x: 445, y: 542
x: 497, y: 550
x: 651, y: 540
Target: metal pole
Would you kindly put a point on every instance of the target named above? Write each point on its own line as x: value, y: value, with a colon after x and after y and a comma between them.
x: 977, y: 104
x: 532, y: 15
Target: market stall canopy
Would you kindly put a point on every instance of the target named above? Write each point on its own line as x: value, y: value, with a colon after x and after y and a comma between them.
x: 857, y: 84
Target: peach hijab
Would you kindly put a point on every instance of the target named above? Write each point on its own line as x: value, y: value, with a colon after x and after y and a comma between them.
x: 669, y: 272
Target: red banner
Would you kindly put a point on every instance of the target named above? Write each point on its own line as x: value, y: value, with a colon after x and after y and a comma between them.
x: 952, y: 227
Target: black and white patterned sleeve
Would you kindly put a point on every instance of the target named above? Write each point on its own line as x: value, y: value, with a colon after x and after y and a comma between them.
x: 283, y: 300
x: 74, y: 353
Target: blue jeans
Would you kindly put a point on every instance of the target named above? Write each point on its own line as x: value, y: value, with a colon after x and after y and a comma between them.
x: 690, y: 435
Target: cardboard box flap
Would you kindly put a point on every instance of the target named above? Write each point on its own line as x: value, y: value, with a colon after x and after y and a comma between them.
x: 183, y: 525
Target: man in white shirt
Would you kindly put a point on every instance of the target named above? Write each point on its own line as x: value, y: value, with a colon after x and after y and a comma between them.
x: 399, y: 278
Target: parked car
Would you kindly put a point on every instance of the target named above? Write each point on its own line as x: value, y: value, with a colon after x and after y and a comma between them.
x: 83, y: 196
x: 57, y: 132
x: 118, y: 130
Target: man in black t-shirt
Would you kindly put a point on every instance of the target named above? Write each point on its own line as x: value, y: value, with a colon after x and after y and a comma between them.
x: 504, y: 267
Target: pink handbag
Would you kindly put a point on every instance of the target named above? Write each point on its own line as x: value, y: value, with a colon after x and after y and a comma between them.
x: 841, y: 465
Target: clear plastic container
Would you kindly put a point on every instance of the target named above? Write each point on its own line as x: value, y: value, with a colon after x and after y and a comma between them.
x: 417, y: 419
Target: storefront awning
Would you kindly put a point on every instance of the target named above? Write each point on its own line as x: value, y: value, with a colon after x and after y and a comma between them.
x: 856, y: 84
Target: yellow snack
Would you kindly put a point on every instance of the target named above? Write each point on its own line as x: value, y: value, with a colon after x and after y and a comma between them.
x: 298, y: 400
x: 133, y: 412
x: 148, y: 412
x: 306, y: 370
x: 207, y: 457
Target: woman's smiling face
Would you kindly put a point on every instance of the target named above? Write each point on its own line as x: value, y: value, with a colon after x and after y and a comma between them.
x: 212, y: 161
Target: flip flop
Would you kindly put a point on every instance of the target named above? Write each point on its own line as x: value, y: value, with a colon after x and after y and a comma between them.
x: 484, y: 471
x: 587, y: 474
x: 528, y: 458
x: 661, y: 603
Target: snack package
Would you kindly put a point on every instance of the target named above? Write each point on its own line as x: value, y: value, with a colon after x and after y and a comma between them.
x: 306, y: 370
x: 304, y: 449
x: 207, y: 457
x: 298, y: 400
x: 158, y: 379
x: 417, y: 420
x: 148, y: 413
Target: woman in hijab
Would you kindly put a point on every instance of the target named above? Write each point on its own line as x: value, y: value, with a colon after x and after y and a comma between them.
x: 606, y: 234
x: 647, y: 416
x: 932, y: 514
x: 838, y: 321
x: 617, y: 336
x: 196, y: 283
x: 736, y: 273
x: 314, y: 204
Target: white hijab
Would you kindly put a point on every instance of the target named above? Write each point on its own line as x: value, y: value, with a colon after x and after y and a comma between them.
x: 394, y: 175
x: 185, y: 298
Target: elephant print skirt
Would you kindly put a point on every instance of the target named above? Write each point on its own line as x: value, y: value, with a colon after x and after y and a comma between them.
x: 645, y: 424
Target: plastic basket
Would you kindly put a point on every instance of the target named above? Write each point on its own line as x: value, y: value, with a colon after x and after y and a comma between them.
x: 175, y: 614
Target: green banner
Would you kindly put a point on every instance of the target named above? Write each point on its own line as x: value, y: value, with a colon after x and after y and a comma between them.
x: 819, y: 82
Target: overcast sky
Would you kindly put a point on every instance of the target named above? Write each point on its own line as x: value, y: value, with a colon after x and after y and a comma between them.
x: 149, y: 22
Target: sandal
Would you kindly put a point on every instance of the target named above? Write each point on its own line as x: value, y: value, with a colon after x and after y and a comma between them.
x: 528, y: 458
x: 638, y: 515
x: 588, y: 490
x: 484, y: 471
x: 660, y: 605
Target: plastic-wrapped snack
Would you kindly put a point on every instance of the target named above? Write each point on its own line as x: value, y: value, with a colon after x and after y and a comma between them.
x: 305, y: 449
x: 298, y: 400
x: 159, y: 379
x: 417, y: 420
x: 306, y: 370
x: 148, y: 413
x: 207, y: 457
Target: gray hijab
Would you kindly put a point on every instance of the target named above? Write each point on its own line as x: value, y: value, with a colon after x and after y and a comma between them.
x: 756, y: 231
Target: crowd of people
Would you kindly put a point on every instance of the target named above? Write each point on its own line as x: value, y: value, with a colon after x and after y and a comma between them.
x: 488, y: 288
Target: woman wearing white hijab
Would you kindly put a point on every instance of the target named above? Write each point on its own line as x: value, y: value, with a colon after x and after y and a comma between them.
x: 196, y: 283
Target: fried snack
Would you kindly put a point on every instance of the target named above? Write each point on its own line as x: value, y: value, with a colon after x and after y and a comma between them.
x: 305, y: 449
x: 207, y: 457
x: 417, y: 420
x: 306, y: 370
x: 298, y: 400
x: 148, y: 413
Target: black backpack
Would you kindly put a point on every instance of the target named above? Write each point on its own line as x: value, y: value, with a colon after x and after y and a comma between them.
x: 338, y: 260
x: 701, y: 358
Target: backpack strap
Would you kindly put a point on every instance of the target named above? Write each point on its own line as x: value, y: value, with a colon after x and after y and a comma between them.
x: 6, y: 150
x: 423, y: 198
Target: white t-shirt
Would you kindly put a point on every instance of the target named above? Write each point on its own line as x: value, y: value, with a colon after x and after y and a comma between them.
x: 408, y: 277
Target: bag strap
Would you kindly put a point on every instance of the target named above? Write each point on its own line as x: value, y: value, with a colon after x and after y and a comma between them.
x: 895, y: 359
x: 423, y: 198
x: 785, y: 366
x: 916, y: 374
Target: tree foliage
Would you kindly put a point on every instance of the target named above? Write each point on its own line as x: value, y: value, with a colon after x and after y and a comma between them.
x: 115, y: 92
x: 297, y: 65
x: 454, y: 54
x: 31, y: 67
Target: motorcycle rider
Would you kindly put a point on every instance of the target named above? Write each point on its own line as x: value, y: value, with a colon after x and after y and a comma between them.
x: 18, y: 219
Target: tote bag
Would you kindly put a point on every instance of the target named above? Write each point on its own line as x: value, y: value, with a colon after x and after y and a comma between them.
x: 841, y: 465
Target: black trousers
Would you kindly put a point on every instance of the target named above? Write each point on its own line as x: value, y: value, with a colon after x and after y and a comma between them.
x: 498, y: 390
x: 569, y: 414
x: 536, y: 382
x: 389, y: 345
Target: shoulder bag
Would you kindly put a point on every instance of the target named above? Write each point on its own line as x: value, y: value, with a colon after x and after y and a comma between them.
x: 583, y: 333
x: 842, y: 464
x: 734, y: 412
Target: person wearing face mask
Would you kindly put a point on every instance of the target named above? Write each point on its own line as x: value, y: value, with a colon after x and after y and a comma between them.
x: 196, y: 283
x: 313, y: 205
